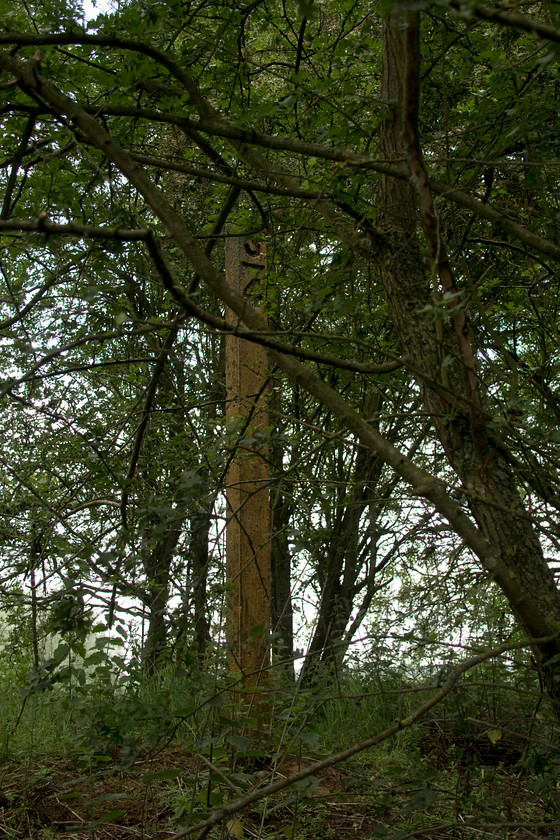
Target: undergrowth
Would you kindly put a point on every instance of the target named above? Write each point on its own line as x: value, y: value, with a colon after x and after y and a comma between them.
x: 160, y: 754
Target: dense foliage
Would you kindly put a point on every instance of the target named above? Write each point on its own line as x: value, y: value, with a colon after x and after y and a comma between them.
x: 401, y: 164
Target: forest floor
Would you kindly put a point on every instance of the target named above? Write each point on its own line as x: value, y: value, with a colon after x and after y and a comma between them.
x: 175, y: 791
x: 152, y: 800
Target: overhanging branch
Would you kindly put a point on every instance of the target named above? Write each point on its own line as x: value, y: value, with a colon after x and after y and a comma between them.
x: 421, y: 481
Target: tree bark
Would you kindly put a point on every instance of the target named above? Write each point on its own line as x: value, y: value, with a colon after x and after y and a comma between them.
x: 505, y: 542
x: 441, y: 345
x: 281, y: 576
x: 247, y: 493
x: 200, y: 556
x: 341, y: 572
x: 157, y: 566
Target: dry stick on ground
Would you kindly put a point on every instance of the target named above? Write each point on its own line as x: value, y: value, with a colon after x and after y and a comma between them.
x: 399, y: 725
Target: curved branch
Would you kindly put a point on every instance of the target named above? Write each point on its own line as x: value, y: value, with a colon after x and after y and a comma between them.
x: 10, y: 383
x: 422, y: 482
x: 242, y: 183
x: 60, y: 38
x: 264, y: 336
x: 42, y: 225
x: 162, y: 360
x: 16, y: 161
x: 399, y: 725
x: 507, y: 18
x: 225, y: 130
x: 146, y: 411
x: 52, y: 281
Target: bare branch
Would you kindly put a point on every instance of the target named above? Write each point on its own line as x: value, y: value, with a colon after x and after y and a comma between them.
x: 439, y: 694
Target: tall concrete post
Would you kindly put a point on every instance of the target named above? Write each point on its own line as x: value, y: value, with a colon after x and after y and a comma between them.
x: 247, y: 491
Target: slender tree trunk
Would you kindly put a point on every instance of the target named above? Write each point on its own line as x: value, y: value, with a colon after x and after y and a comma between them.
x: 281, y: 577
x: 342, y: 569
x: 34, y: 556
x: 440, y: 343
x: 200, y: 530
x: 281, y: 509
x: 157, y: 566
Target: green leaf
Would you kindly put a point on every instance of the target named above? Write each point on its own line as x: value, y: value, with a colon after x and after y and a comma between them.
x: 240, y: 742
x: 235, y: 829
x: 494, y: 735
x: 421, y: 800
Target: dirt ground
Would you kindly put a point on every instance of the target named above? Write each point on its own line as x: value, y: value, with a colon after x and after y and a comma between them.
x: 155, y: 799
x: 174, y: 792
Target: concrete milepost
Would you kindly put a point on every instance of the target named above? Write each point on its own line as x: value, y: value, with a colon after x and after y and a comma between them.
x: 247, y: 491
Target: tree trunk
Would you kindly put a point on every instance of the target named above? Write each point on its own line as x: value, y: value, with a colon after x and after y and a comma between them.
x: 444, y: 359
x: 200, y: 530
x: 157, y: 566
x: 281, y: 577
x: 247, y: 491
x: 342, y: 569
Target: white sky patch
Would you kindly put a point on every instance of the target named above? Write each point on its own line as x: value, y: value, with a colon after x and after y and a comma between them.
x: 93, y: 8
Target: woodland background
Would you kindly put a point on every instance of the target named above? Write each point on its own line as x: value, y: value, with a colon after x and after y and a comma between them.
x: 401, y: 164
